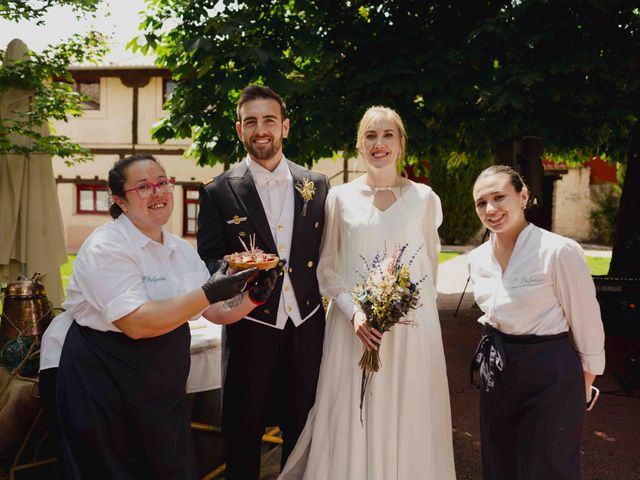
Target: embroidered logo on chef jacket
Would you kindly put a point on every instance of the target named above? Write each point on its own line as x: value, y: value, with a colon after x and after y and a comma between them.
x: 518, y: 281
x: 162, y: 287
x: 153, y: 279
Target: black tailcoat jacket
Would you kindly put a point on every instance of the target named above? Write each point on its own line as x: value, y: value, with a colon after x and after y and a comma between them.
x: 230, y: 209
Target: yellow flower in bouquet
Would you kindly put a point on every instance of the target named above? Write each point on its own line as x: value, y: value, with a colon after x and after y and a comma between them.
x: 386, y: 295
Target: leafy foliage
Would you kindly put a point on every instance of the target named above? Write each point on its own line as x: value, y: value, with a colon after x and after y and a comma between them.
x: 564, y: 71
x: 46, y: 77
x: 16, y: 10
x: 506, y: 69
x: 605, y: 213
x: 453, y: 178
x: 464, y: 75
x: 330, y: 60
x: 569, y: 73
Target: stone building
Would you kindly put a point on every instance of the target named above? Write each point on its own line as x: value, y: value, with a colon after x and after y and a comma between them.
x: 574, y: 195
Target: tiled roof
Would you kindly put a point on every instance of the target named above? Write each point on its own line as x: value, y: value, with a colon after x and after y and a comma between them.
x: 550, y: 165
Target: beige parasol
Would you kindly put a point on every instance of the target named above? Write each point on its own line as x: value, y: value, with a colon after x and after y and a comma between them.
x: 31, y: 231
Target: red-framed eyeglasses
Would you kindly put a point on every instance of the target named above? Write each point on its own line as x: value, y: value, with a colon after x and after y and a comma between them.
x: 148, y: 189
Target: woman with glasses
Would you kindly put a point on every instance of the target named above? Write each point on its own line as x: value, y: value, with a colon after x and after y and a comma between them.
x: 121, y: 347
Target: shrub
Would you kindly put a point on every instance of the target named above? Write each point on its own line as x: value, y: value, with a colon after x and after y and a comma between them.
x: 452, y: 179
x: 604, y: 214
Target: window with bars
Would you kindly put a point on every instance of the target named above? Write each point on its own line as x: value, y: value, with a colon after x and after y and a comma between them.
x: 92, y: 198
x: 190, y: 208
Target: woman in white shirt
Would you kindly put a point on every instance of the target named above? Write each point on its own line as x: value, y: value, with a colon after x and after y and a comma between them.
x: 543, y: 342
x: 121, y: 348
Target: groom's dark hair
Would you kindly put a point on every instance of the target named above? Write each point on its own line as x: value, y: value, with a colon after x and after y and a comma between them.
x: 255, y: 92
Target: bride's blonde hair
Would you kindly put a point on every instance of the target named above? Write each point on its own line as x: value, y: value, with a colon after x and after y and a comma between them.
x: 370, y: 116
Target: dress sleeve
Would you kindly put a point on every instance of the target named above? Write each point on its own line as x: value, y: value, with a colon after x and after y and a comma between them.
x: 577, y: 295
x: 430, y: 223
x: 330, y: 266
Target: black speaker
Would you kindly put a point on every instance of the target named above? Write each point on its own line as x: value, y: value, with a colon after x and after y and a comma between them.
x: 619, y: 300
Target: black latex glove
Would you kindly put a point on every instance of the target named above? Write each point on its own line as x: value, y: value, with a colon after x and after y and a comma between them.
x: 265, y: 282
x: 222, y: 286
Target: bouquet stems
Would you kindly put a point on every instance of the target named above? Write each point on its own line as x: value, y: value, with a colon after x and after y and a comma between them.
x: 385, y: 296
x: 370, y: 361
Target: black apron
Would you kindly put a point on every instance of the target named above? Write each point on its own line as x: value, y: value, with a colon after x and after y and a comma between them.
x: 122, y: 405
x: 532, y: 402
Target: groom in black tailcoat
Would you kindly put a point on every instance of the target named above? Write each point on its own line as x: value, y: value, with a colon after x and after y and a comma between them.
x: 274, y: 353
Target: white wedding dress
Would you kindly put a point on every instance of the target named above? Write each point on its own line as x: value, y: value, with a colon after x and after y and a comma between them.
x: 406, y: 430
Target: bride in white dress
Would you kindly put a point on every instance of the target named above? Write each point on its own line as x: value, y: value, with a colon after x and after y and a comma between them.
x: 406, y: 429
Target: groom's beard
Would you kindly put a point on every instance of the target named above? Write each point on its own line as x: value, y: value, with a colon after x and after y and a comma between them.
x: 265, y: 153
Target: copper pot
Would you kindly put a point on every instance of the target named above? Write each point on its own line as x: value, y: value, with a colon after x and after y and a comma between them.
x: 26, y: 310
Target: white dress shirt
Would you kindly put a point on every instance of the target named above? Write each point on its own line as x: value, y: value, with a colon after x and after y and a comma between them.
x: 117, y: 270
x: 277, y: 195
x: 545, y: 289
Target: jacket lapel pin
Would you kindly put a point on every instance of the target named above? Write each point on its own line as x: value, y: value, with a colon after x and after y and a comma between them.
x: 236, y: 220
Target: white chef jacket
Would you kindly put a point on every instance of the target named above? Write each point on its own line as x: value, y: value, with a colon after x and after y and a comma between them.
x: 546, y: 289
x: 277, y: 195
x: 117, y: 270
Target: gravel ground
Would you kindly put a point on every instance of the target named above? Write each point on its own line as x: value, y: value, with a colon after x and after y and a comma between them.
x: 611, y: 432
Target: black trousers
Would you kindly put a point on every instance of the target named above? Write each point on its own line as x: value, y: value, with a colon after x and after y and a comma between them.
x: 122, y: 405
x: 530, y: 421
x: 48, y: 379
x: 271, y: 379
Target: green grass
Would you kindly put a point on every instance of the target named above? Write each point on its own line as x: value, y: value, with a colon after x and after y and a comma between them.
x: 66, y: 270
x: 444, y: 256
x: 598, y: 265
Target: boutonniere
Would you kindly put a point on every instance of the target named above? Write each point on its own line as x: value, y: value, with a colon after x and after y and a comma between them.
x: 307, y: 190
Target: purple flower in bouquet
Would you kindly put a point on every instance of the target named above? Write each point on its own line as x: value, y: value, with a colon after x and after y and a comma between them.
x: 386, y: 294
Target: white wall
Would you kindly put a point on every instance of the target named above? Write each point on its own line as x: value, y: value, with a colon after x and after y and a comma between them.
x: 109, y: 126
x: 150, y: 111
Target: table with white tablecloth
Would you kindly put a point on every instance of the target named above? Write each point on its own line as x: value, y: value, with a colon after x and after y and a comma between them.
x: 205, y: 372
x: 203, y: 387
